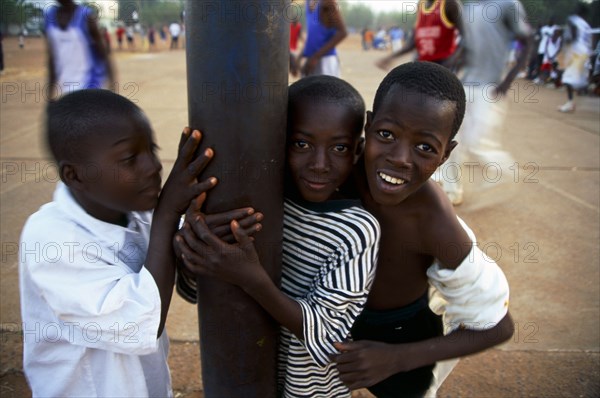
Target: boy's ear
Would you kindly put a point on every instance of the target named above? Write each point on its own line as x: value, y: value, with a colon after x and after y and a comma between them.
x: 69, y: 174
x: 369, y: 120
x: 360, y: 148
x: 449, y: 148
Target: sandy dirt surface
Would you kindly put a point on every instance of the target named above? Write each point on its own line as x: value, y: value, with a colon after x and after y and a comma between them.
x: 543, y: 228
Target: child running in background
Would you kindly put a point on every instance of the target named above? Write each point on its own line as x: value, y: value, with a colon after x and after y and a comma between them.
x: 100, y: 296
x: 329, y: 243
x: 576, y: 75
x: 399, y: 337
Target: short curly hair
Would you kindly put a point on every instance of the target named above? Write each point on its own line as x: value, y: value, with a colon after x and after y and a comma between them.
x: 329, y: 89
x: 74, y: 118
x: 429, y: 79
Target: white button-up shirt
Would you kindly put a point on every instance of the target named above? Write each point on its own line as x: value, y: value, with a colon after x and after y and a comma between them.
x: 90, y: 308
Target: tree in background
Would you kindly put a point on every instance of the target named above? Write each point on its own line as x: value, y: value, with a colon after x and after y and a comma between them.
x: 356, y: 15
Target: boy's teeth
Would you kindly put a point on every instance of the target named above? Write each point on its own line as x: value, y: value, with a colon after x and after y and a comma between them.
x: 391, y: 180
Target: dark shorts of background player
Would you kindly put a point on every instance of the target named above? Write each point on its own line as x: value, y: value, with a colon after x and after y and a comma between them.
x: 413, y: 322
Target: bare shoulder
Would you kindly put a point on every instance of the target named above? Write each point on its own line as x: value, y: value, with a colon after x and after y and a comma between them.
x: 453, y: 11
x: 330, y: 14
x: 92, y: 22
x: 443, y: 237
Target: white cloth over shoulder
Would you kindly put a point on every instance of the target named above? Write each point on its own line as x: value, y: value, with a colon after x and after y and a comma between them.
x: 474, y: 295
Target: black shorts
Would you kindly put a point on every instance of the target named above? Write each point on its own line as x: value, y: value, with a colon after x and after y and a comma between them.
x: 414, y: 322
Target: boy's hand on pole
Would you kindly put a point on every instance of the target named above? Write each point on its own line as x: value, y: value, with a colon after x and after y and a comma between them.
x: 219, y: 223
x: 182, y: 185
x: 204, y: 253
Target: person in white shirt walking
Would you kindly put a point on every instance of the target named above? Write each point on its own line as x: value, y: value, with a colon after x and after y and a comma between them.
x: 576, y: 74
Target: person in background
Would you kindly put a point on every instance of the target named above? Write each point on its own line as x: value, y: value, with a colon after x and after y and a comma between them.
x: 77, y: 54
x: 120, y: 33
x: 487, y: 44
x: 1, y: 54
x: 325, y: 30
x: 545, y: 33
x: 576, y: 74
x: 152, y: 38
x: 295, y: 37
x: 397, y: 38
x: 435, y: 36
x: 175, y: 31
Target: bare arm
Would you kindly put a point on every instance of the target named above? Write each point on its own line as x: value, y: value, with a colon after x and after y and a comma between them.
x: 385, y: 62
x: 203, y: 253
x: 100, y: 48
x: 365, y: 363
x: 51, y: 68
x: 181, y: 187
x: 526, y: 42
x: 453, y: 13
x: 525, y: 38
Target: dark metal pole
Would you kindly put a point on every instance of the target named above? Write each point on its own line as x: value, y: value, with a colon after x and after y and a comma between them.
x: 237, y: 60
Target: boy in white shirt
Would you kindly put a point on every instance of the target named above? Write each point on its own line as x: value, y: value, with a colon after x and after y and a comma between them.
x: 96, y: 265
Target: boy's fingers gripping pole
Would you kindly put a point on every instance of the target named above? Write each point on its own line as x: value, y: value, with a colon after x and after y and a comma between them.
x: 189, y: 148
x: 201, y: 162
x: 183, y: 139
x: 195, y: 207
x: 240, y: 235
x: 206, y: 236
x: 217, y: 221
x: 191, y: 260
x: 203, y: 186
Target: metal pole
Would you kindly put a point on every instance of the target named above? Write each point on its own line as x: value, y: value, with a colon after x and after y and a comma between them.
x: 237, y: 67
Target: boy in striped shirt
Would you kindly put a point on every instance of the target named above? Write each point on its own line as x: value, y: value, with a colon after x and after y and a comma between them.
x: 330, y: 244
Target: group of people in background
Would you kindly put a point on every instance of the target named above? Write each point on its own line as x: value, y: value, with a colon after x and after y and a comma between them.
x: 564, y: 56
x: 79, y: 49
x: 383, y: 39
x: 149, y: 36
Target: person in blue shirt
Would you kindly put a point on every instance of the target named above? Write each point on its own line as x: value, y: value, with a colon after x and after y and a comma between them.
x: 325, y: 30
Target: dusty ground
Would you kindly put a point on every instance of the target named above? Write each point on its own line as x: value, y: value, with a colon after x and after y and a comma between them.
x: 544, y: 226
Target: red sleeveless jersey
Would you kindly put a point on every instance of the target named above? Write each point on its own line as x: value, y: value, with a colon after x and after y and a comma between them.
x: 435, y: 35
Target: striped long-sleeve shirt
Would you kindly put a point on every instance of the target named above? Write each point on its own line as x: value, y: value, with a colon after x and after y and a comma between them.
x: 329, y: 258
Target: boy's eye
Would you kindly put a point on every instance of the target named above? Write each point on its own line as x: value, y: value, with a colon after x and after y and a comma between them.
x: 155, y: 148
x: 385, y: 134
x: 425, y: 148
x: 301, y: 144
x: 340, y: 148
x: 128, y: 159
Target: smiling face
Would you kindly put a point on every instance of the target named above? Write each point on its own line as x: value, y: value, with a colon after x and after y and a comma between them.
x: 406, y: 141
x: 121, y: 171
x: 321, y: 148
